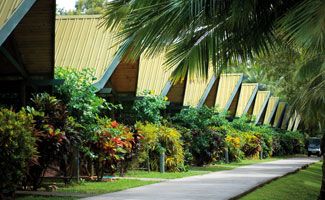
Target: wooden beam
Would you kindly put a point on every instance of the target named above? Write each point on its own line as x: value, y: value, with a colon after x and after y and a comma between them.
x: 14, y: 62
x: 105, y: 91
x: 47, y: 82
x: 166, y: 89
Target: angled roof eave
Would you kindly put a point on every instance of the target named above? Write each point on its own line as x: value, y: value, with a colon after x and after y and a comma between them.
x: 15, y: 18
x: 206, y: 91
x: 111, y: 68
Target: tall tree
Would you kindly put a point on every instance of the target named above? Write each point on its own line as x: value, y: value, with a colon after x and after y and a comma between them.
x: 90, y: 7
x: 85, y: 7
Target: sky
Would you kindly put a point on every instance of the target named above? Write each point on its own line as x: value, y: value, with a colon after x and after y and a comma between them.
x: 66, y: 4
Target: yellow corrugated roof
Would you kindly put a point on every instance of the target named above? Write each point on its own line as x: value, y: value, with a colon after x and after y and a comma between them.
x: 81, y: 42
x: 152, y: 75
x: 247, y: 93
x: 260, y: 104
x: 7, y: 8
x: 278, y: 114
x: 195, y: 88
x: 292, y: 121
x: 286, y: 118
x: 227, y: 89
x: 297, y: 122
x: 270, y: 110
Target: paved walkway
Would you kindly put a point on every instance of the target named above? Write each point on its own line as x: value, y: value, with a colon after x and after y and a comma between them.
x: 215, y: 186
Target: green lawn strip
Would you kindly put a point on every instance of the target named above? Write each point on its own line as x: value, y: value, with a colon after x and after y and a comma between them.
x: 104, y: 187
x: 195, y: 170
x: 233, y: 165
x: 166, y: 175
x: 90, y: 188
x: 303, y: 185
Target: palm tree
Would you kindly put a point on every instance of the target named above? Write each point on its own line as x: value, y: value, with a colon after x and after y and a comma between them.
x: 198, y: 34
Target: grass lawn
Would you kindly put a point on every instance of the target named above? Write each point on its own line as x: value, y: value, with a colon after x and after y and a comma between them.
x: 166, y: 175
x: 104, y: 187
x: 304, y: 185
x: 194, y: 170
x: 91, y: 188
x: 221, y: 167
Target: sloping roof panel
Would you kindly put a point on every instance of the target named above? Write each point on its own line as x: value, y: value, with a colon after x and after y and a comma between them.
x: 286, y: 117
x: 261, y: 100
x: 297, y: 122
x: 81, y: 42
x: 270, y: 110
x: 227, y: 89
x: 195, y: 89
x: 152, y: 75
x: 7, y: 8
x: 279, y: 114
x: 246, y: 97
x: 292, y: 121
x: 11, y: 13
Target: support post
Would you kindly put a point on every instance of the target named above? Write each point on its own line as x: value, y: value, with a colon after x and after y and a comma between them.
x: 162, y: 161
x: 226, y: 155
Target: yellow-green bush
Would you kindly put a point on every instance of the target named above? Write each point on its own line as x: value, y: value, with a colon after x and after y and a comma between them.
x: 234, y: 142
x: 157, y: 138
x: 251, y: 144
x: 17, y: 146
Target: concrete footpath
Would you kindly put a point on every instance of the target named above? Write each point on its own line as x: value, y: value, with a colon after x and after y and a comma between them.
x: 217, y: 186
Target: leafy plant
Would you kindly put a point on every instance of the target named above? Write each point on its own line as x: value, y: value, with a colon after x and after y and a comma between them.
x: 111, y: 144
x: 17, y: 148
x: 57, y: 137
x: 148, y: 108
x: 79, y: 95
x: 203, y: 141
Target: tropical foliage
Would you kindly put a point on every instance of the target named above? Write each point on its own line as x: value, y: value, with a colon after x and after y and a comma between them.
x: 149, y: 107
x: 110, y: 145
x: 17, y: 148
x: 158, y: 139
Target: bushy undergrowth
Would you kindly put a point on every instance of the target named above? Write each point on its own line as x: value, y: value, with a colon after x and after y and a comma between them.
x: 158, y: 138
x: 207, y: 135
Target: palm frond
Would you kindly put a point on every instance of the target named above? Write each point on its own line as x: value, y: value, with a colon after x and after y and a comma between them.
x: 304, y: 26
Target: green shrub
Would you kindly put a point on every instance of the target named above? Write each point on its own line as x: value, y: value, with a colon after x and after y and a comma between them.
x: 79, y: 94
x: 203, y: 141
x: 157, y: 138
x: 17, y: 148
x: 148, y: 108
x: 199, y: 118
x: 290, y: 142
